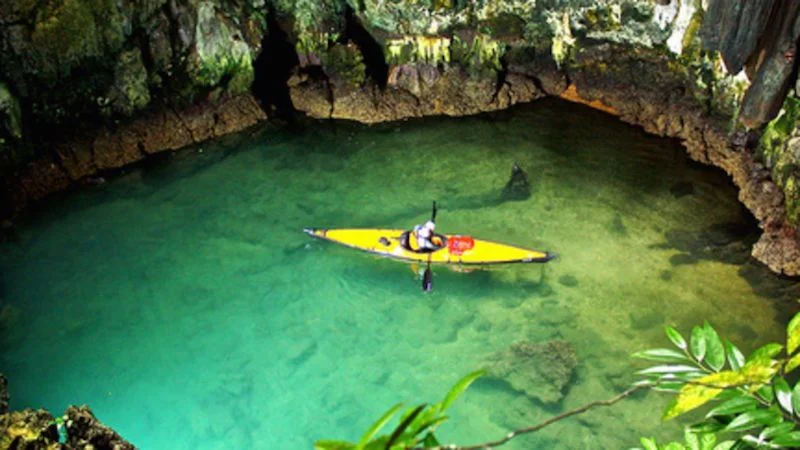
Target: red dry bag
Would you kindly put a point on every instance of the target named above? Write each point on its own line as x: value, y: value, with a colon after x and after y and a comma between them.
x: 459, y: 244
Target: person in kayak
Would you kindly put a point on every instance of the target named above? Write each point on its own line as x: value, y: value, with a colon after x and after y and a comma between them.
x: 424, y: 235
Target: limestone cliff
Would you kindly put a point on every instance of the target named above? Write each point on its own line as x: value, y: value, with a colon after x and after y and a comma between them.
x: 160, y: 74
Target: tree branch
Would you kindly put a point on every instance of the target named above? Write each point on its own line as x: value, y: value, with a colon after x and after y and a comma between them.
x: 550, y: 421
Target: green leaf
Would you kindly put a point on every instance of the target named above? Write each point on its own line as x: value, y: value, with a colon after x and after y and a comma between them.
x: 792, y: 364
x: 380, y: 423
x: 765, y: 353
x: 707, y: 441
x: 793, y: 334
x: 333, y: 445
x: 460, y: 387
x: 692, y: 443
x: 715, y: 350
x: 676, y: 338
x: 734, y: 406
x: 725, y: 445
x: 690, y: 397
x: 735, y: 356
x: 674, y: 446
x: 752, y: 419
x: 777, y: 430
x: 429, y: 426
x: 697, y: 343
x: 401, y: 428
x: 698, y: 392
x: 668, y: 368
x: 430, y: 441
x: 707, y: 427
x: 787, y: 440
x: 668, y: 386
x: 661, y: 354
x: 783, y: 393
x: 796, y: 398
x: 649, y: 443
x: 765, y: 392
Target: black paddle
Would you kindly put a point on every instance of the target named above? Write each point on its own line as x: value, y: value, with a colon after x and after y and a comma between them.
x: 427, y: 277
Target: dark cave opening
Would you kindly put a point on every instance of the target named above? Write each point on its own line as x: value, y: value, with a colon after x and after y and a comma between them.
x: 273, y: 67
x: 371, y: 50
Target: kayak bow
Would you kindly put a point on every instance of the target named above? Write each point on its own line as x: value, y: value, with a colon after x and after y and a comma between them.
x: 455, y: 249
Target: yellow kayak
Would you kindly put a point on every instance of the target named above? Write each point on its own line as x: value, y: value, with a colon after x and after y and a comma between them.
x: 452, y: 249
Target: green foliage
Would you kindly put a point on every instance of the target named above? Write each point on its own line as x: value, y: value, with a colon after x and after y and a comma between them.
x: 416, y: 427
x: 751, y: 398
x: 692, y: 441
x: 346, y: 62
x: 778, y: 153
x: 753, y: 404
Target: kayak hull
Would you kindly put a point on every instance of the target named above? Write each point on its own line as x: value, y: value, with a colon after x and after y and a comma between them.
x: 389, y: 243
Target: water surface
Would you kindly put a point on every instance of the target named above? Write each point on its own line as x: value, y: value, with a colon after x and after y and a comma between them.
x: 183, y: 303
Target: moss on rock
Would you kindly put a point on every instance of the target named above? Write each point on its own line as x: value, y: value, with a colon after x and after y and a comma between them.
x: 130, y: 91
x: 220, y: 54
x: 780, y: 151
x: 346, y: 62
x: 68, y: 32
x: 10, y: 115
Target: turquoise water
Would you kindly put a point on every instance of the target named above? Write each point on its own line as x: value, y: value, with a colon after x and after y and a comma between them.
x: 183, y: 303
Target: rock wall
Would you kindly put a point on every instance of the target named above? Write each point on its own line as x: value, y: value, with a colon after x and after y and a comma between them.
x: 143, y: 77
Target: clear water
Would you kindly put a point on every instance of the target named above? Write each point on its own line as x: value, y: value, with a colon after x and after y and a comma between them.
x: 182, y: 302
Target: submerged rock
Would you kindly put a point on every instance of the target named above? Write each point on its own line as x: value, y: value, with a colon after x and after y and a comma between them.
x: 540, y: 371
x: 85, y: 431
x: 517, y: 187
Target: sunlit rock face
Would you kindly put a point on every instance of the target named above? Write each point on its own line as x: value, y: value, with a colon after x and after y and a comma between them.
x: 115, y: 81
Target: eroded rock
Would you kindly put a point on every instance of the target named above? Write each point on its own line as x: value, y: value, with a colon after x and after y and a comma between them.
x: 85, y: 431
x: 540, y: 371
x: 29, y: 430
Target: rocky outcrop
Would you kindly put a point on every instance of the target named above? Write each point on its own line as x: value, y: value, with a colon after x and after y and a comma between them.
x: 85, y: 154
x: 540, y: 371
x: 29, y: 430
x: 38, y: 430
x: 85, y: 431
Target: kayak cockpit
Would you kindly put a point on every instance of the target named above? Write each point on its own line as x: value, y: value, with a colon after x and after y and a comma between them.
x: 409, y: 242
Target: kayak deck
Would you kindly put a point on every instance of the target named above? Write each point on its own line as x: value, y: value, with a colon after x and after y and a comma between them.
x: 390, y: 243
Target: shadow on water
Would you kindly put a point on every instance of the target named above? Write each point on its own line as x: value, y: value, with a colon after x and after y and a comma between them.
x: 731, y: 243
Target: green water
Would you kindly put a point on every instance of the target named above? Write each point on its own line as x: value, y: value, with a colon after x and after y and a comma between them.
x: 183, y: 303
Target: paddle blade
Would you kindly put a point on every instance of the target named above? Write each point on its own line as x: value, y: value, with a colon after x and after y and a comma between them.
x: 427, y: 280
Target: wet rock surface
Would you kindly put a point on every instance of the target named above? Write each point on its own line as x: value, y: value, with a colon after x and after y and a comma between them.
x: 29, y: 429
x: 85, y: 431
x: 540, y: 371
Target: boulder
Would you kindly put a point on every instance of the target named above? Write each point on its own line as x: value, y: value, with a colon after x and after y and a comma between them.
x: 85, y: 431
x: 540, y: 371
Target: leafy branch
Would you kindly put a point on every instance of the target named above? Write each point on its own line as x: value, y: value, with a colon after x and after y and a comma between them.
x: 752, y: 399
x: 550, y: 421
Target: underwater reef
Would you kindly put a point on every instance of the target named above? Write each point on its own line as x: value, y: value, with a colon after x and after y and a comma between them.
x: 90, y: 86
